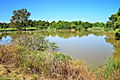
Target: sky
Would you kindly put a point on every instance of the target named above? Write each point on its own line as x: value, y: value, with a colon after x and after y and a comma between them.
x: 67, y: 10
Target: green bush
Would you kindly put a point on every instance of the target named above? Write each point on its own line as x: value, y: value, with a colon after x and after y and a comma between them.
x: 34, y: 42
x: 117, y: 33
x: 111, y: 67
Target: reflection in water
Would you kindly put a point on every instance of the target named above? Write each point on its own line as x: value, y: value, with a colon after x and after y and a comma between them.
x: 86, y: 46
x: 116, y: 43
x: 6, y: 40
x: 92, y: 49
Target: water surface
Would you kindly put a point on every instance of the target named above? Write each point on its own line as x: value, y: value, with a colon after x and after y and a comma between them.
x: 89, y: 47
x: 92, y: 49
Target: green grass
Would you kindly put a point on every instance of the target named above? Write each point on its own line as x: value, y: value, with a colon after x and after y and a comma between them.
x: 14, y: 29
x: 30, y: 28
x: 110, y: 68
x: 8, y: 29
x: 95, y: 29
x: 52, y: 64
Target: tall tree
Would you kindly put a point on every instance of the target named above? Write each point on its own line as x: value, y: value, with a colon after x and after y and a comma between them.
x: 115, y: 20
x: 20, y: 18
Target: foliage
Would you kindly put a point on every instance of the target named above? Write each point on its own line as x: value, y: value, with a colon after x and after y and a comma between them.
x: 35, y: 42
x: 20, y: 18
x: 117, y: 33
x: 87, y: 25
x: 56, y: 65
x: 97, y: 29
x: 8, y: 29
x: 114, y: 20
x: 4, y: 25
x: 97, y: 24
x: 9, y: 53
x: 14, y: 29
x: 111, y: 70
x: 3, y: 78
x: 52, y: 64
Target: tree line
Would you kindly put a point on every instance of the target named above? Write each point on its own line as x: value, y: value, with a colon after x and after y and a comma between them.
x: 20, y: 20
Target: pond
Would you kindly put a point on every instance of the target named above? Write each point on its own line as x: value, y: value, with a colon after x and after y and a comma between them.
x: 92, y: 48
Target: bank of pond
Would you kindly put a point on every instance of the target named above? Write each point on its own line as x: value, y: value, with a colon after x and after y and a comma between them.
x: 59, y: 55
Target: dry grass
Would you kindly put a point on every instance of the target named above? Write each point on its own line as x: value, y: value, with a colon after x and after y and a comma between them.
x: 19, y: 63
x: 9, y: 53
x: 49, y: 65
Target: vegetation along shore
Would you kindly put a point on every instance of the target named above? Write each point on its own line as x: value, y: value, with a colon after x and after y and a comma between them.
x: 30, y: 56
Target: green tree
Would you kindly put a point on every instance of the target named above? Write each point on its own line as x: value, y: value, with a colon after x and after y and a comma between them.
x: 87, y: 25
x: 4, y: 25
x: 1, y: 25
x: 109, y: 25
x: 115, y: 20
x: 98, y: 24
x: 30, y: 23
x: 20, y: 18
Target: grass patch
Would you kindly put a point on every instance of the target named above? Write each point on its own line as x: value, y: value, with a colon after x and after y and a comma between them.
x: 95, y: 29
x: 15, y: 29
x: 8, y: 29
x: 36, y: 57
x: 55, y: 65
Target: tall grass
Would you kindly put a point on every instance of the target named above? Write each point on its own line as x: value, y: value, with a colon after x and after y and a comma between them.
x: 35, y: 55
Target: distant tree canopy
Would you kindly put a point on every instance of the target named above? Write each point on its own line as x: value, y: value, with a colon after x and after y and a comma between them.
x: 20, y: 18
x: 87, y: 25
x: 4, y: 25
x: 98, y: 24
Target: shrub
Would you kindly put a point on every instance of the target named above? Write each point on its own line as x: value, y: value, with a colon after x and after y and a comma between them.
x: 8, y: 54
x: 35, y: 42
x: 111, y: 70
x: 117, y: 33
